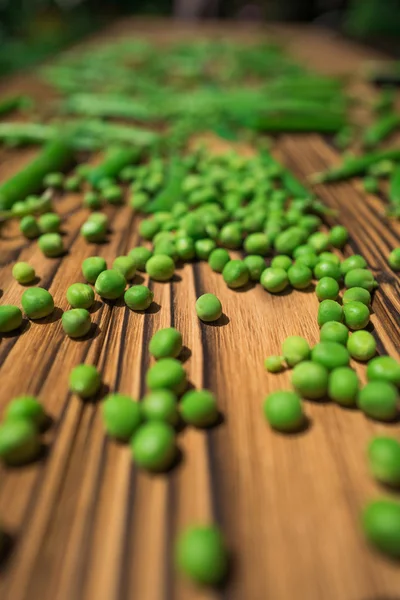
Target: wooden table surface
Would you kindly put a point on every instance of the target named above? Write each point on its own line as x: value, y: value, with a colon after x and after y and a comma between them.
x: 86, y: 523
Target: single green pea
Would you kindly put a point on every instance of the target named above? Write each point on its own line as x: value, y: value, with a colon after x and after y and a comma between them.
x: 204, y: 248
x: 384, y: 368
x: 29, y: 227
x: 23, y: 272
x: 360, y: 278
x: 72, y: 183
x: 49, y: 223
x: 310, y: 379
x: 161, y: 405
x: 310, y: 223
x: 140, y: 255
x: 160, y: 267
x: 112, y: 194
x: 255, y: 265
x: 19, y: 442
x: 327, y: 288
x: 148, y: 228
x: 303, y: 250
x: 310, y: 260
x: 235, y: 274
x: 361, y: 345
x: 333, y: 331
x: 138, y: 297
x: 26, y: 407
x: 356, y: 315
x: 319, y: 241
x: 139, y: 200
x: 76, y: 322
x: 329, y: 257
x: 383, y: 455
x: 218, y: 259
x: 287, y: 241
x: 166, y: 247
x: 284, y: 411
x: 92, y: 267
x: 122, y: 416
x: 274, y: 364
x: 357, y: 294
x: 231, y: 236
x: 378, y: 400
x: 110, y: 284
x: 199, y: 408
x: 20, y: 209
x: 92, y: 201
x: 55, y: 180
x: 185, y: 248
x: 330, y: 355
x: 99, y: 218
x: 201, y: 555
x: 93, y: 232
x: 51, y: 244
x: 257, y: 243
x: 394, y: 259
x: 352, y: 262
x: 80, y: 295
x: 106, y: 182
x: 299, y: 276
x: 281, y: 262
x: 327, y: 269
x: 10, y: 318
x: 295, y: 349
x: 153, y: 446
x: 343, y: 386
x: 329, y: 310
x: 338, y: 236
x: 166, y: 343
x: 126, y: 266
x: 167, y: 373
x: 381, y: 523
x: 274, y: 280
x: 208, y: 308
x: 84, y: 380
x: 37, y: 303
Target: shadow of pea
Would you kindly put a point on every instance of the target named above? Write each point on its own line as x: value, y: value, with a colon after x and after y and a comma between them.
x: 21, y: 330
x: 6, y: 547
x: 53, y: 318
x: 92, y: 334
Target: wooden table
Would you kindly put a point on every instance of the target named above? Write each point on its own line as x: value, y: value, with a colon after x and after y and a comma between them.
x: 86, y: 524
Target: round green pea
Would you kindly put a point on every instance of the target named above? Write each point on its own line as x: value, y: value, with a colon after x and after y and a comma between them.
x: 333, y: 331
x: 167, y: 373
x: 110, y: 284
x: 166, y: 247
x: 329, y: 257
x: 319, y: 241
x: 357, y: 294
x: 148, y: 229
x: 199, y: 408
x: 309, y: 260
x: 93, y: 231
x: 343, y: 386
x: 361, y: 345
x: 327, y: 288
x: 76, y: 322
x: 92, y: 267
x: 153, y: 446
x: 255, y: 265
x: 274, y: 280
x: 235, y: 274
x: 166, y: 343
x: 353, y: 262
x: 303, y: 250
x: 126, y: 266
x: 257, y: 243
x: 329, y: 310
x: 330, y: 355
x: 310, y: 379
x: 161, y: 405
x: 122, y: 416
x: 92, y: 201
x: 378, y: 400
x: 356, y: 315
x: 26, y: 407
x: 140, y: 255
x: 287, y: 241
x: 51, y: 244
x: 138, y: 297
x: 84, y: 380
x: 284, y: 412
x: 10, y: 318
x: 208, y: 308
x: 185, y: 248
x: 300, y: 276
x: 19, y: 442
x: 204, y: 247
x: 360, y: 278
x: 99, y: 218
x: 160, y: 267
x: 37, y: 303
x: 231, y: 235
x: 381, y: 523
x: 112, y: 194
x: 338, y: 236
x: 384, y: 368
x: 327, y: 269
x: 384, y: 460
x: 394, y: 259
x: 23, y: 272
x: 49, y: 223
x: 29, y: 227
x: 201, y: 555
x: 55, y: 180
x: 295, y: 349
x: 281, y: 262
x: 72, y: 183
x: 274, y: 364
x: 80, y: 295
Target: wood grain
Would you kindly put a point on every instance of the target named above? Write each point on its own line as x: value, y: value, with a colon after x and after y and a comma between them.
x: 86, y: 523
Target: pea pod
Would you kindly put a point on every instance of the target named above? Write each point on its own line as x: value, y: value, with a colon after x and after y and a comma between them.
x: 315, y: 121
x: 26, y: 133
x: 115, y: 160
x: 381, y: 129
x: 355, y: 166
x: 394, y: 188
x: 94, y: 105
x: 172, y: 191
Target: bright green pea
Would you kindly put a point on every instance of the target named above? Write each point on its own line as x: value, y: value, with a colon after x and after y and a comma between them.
x: 167, y: 373
x: 361, y: 345
x: 329, y: 310
x: 140, y: 255
x: 310, y: 379
x: 26, y: 407
x: 80, y: 295
x: 235, y: 274
x: 84, y: 380
x: 139, y: 200
x: 51, y: 244
x: 257, y: 243
x: 37, y: 303
x: 138, y: 297
x: 160, y: 267
x: 201, y: 555
x: 148, y: 228
x: 23, y: 272
x: 295, y: 349
x: 76, y: 322
x: 281, y: 262
x: 327, y: 269
x: 93, y: 232
x: 125, y: 265
x: 360, y: 278
x: 357, y: 294
x: 199, y: 408
x: 299, y: 276
x: 284, y: 411
x: 72, y: 183
x: 208, y: 308
x: 166, y: 343
x: 319, y: 241
x: 333, y: 331
x: 112, y: 194
x: 153, y: 446
x: 381, y: 523
x: 309, y: 260
x: 274, y: 280
x: 287, y: 241
x: 255, y: 265
x: 99, y: 218
x: 92, y: 201
x: 110, y: 284
x: 49, y: 223
x: 384, y: 460
x: 356, y: 315
x: 352, y: 262
x: 330, y: 355
x: 122, y: 416
x: 19, y: 442
x: 231, y: 235
x: 371, y: 184
x: 204, y: 248
x: 378, y: 400
x: 10, y: 318
x: 329, y: 257
x: 338, y: 236
x: 384, y: 368
x: 327, y: 288
x: 166, y: 247
x: 185, y: 248
x: 394, y: 259
x: 55, y: 180
x: 303, y: 250
x: 92, y: 267
x: 161, y: 405
x: 29, y: 227
x: 218, y: 259
x: 274, y: 364
x: 343, y: 386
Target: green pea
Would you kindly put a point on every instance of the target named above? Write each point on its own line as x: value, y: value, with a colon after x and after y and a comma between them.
x: 274, y: 280
x: 153, y: 446
x: 218, y: 259
x: 343, y: 386
x: 384, y: 368
x: 167, y: 373
x: 378, y: 400
x: 329, y: 310
x: 303, y: 250
x: 384, y: 460
x: 93, y: 232
x: 360, y: 278
x: 92, y: 201
x: 331, y: 355
x: 352, y: 262
x: 394, y: 259
x: 166, y: 343
x: 49, y: 223
x: 338, y: 236
x: 76, y: 322
x: 80, y: 295
x: 105, y: 183
x: 160, y: 267
x: 139, y: 200
x: 122, y: 416
x: 55, y: 180
x: 333, y: 331
x: 148, y: 228
x: 113, y: 194
x: 99, y: 218
x: 356, y: 315
x: 310, y: 379
x: 274, y: 364
x: 361, y: 345
x: 72, y: 183
x: 329, y: 257
x: 281, y: 262
x: 199, y: 408
x: 51, y: 244
x: 19, y: 442
x: 204, y: 248
x: 310, y: 223
x: 26, y: 407
x: 295, y: 349
x: 23, y: 272
x: 140, y: 255
x: 201, y: 555
x: 125, y: 265
x: 208, y: 308
x: 138, y: 297
x: 357, y: 294
x: 161, y: 405
x: 235, y: 274
x: 255, y: 265
x: 327, y: 288
x: 309, y: 260
x: 37, y: 303
x: 29, y: 227
x: 287, y: 241
x: 299, y: 276
x: 327, y: 269
x: 319, y: 241
x: 284, y: 411
x: 185, y: 248
x: 10, y: 318
x: 92, y: 267
x: 84, y: 380
x: 257, y: 243
x: 110, y: 284
x: 166, y: 247
x: 231, y: 235
x: 381, y: 523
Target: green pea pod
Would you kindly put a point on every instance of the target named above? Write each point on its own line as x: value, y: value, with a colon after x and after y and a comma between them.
x: 356, y: 166
x: 321, y: 122
x: 94, y: 105
x: 381, y: 129
x: 394, y: 187
x: 26, y: 133
x: 115, y: 160
x: 172, y: 191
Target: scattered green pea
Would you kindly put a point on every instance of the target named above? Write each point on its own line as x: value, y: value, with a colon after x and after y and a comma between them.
x: 55, y: 180
x: 327, y: 288
x: 360, y: 278
x: 310, y: 260
x: 231, y: 235
x: 357, y: 294
x: 255, y: 265
x: 141, y: 255
x: 37, y: 303
x: 92, y: 267
x: 23, y: 272
x: 72, y: 183
x: 126, y: 266
x: 148, y: 229
x: 29, y: 227
x: 338, y: 236
x: 384, y: 460
x: 110, y: 284
x: 394, y: 259
x: 166, y: 343
x: 161, y: 405
x: 319, y: 241
x: 281, y: 262
x: 295, y: 349
x: 331, y: 355
x: 356, y: 315
x: 274, y: 280
x: 329, y: 310
x: 327, y: 269
x: 353, y: 262
x: 160, y: 267
x: 99, y: 218
x: 208, y: 308
x: 76, y: 322
x: 300, y: 276
x: 153, y: 446
x: 284, y: 412
x: 333, y: 331
x: 26, y: 407
x: 94, y: 232
x: 185, y: 248
x: 274, y: 364
x: 378, y: 400
x: 122, y: 416
x: 381, y: 523
x: 201, y: 555
x: 51, y: 244
x: 384, y: 368
x: 310, y: 379
x: 361, y: 345
x: 92, y: 201
x: 138, y: 297
x: 10, y: 318
x: 80, y: 295
x: 329, y: 257
x: 19, y: 442
x: 84, y: 380
x: 167, y: 373
x: 49, y: 223
x: 371, y: 184
x: 343, y: 386
x: 257, y: 243
x: 199, y: 408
